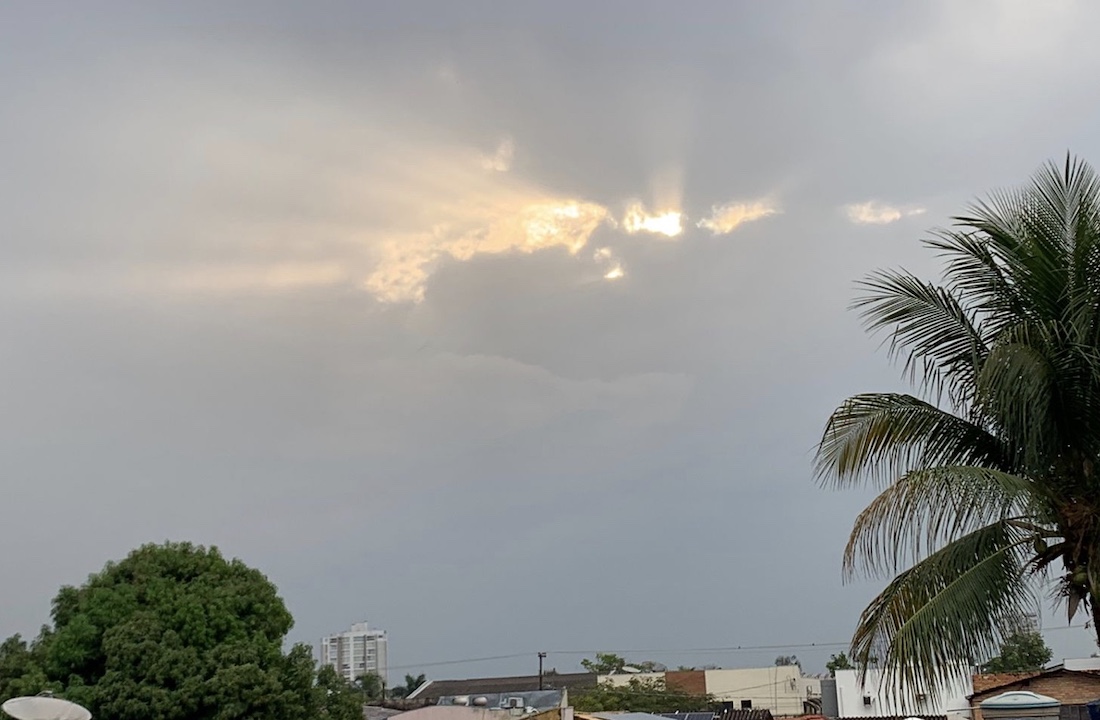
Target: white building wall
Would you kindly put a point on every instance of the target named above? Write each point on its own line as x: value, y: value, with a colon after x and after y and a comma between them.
x: 782, y: 690
x: 874, y: 699
x: 356, y: 652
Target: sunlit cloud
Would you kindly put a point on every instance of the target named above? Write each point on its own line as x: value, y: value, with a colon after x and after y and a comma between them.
x: 637, y: 219
x: 501, y: 160
x: 724, y: 219
x: 343, y: 202
x: 606, y: 257
x: 405, y: 264
x: 873, y: 212
x: 614, y: 273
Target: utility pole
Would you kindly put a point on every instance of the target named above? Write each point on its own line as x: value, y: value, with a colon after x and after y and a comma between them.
x: 541, y: 656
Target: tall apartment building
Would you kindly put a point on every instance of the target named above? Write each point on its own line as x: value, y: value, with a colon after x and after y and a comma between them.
x: 356, y: 652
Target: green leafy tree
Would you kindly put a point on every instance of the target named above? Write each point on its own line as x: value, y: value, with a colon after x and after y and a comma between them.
x: 172, y: 632
x: 336, y: 698
x: 370, y: 686
x: 839, y: 661
x: 989, y: 476
x: 604, y: 664
x: 1022, y: 651
x: 649, y: 695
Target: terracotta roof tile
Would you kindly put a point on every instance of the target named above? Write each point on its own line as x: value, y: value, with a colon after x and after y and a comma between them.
x: 986, y: 681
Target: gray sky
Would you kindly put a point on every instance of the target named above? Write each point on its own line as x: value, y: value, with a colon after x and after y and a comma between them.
x: 505, y: 326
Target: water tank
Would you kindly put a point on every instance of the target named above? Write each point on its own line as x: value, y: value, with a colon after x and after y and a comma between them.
x: 1021, y: 705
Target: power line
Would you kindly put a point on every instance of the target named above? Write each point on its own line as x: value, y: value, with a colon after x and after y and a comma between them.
x: 663, y: 651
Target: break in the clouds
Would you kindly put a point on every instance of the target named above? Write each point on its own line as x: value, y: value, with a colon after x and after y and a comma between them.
x: 501, y: 160
x: 724, y: 219
x: 637, y: 219
x: 873, y: 212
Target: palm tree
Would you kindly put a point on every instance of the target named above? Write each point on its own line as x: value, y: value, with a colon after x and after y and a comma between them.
x: 988, y: 476
x: 411, y: 684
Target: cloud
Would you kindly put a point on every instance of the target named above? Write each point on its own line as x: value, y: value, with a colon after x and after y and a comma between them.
x: 873, y: 212
x: 501, y: 160
x: 637, y: 219
x: 724, y: 219
x: 605, y: 256
x: 404, y: 264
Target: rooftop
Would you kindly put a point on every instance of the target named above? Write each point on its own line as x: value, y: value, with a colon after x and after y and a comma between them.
x: 435, y: 689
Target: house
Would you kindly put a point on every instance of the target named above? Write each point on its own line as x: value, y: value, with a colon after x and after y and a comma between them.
x: 432, y: 690
x: 529, y: 700
x: 1072, y: 683
x: 874, y: 698
x: 464, y: 712
x: 782, y: 690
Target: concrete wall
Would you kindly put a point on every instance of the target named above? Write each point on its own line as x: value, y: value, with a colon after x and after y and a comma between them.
x: 779, y: 689
x: 883, y: 703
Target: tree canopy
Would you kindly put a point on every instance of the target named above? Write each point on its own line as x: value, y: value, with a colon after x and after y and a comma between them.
x: 1022, y: 651
x: 172, y: 632
x: 838, y: 661
x: 638, y: 695
x: 988, y: 474
x: 611, y: 664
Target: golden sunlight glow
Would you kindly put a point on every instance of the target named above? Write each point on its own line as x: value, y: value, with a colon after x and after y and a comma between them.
x: 875, y: 213
x: 637, y: 219
x: 724, y: 219
x: 404, y: 264
x: 606, y: 256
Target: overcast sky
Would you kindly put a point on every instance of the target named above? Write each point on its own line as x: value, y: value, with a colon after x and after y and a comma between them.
x: 505, y: 327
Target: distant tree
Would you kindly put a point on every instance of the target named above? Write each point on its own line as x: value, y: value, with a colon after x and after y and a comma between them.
x: 336, y: 698
x: 649, y: 695
x: 1022, y: 651
x: 412, y: 682
x: 370, y: 686
x: 611, y: 664
x: 785, y: 660
x: 839, y: 661
x: 604, y: 664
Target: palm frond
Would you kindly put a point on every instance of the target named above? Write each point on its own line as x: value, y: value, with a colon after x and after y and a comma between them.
x: 881, y: 436
x: 937, y: 336
x: 948, y: 610
x: 1016, y: 386
x: 926, y: 509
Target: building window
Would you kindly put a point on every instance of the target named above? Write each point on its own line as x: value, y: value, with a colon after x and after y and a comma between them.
x: 746, y: 704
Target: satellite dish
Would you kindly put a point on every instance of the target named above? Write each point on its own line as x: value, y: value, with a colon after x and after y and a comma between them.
x: 42, y: 707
